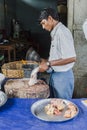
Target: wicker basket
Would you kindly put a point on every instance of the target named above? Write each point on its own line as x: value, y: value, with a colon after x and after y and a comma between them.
x: 14, y: 69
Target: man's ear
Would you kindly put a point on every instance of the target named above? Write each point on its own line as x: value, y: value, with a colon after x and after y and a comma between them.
x: 50, y: 18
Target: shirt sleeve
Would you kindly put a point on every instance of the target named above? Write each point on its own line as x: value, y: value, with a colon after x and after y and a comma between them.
x: 67, y: 44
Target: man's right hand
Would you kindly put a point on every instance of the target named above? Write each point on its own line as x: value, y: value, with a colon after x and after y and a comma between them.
x: 43, y: 67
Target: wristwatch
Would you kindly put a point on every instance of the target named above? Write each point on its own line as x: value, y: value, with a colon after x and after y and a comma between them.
x: 48, y: 63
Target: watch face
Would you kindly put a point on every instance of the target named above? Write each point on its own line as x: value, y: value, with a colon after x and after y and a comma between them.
x: 48, y: 64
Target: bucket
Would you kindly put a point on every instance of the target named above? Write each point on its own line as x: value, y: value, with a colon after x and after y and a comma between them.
x: 27, y: 68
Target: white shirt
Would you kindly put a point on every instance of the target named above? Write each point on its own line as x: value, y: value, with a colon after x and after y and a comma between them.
x: 85, y: 28
x: 62, y: 46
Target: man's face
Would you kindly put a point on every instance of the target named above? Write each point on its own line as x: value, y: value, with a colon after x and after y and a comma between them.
x: 47, y: 24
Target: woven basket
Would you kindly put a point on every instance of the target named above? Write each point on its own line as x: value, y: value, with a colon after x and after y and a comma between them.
x: 14, y: 69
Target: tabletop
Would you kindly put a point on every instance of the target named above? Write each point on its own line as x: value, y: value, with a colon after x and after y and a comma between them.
x: 16, y: 115
x: 7, y: 46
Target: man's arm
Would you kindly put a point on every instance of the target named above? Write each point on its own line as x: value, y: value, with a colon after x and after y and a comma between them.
x: 62, y: 61
x: 43, y: 66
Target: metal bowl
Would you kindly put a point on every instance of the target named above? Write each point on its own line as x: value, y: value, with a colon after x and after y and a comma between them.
x: 37, y: 110
x: 32, y: 55
x: 3, y: 98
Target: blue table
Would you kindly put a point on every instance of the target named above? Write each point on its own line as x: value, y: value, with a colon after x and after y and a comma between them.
x: 16, y: 115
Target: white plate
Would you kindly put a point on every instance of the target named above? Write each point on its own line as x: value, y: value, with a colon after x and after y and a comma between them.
x: 3, y: 98
x: 37, y: 110
x: 84, y: 102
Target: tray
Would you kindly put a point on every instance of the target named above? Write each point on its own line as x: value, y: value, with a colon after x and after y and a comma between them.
x: 38, y: 111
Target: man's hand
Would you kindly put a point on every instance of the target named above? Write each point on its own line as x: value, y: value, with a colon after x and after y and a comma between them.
x: 43, y: 67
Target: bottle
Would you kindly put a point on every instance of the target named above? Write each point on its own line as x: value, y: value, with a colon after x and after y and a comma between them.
x: 12, y: 27
x: 16, y: 30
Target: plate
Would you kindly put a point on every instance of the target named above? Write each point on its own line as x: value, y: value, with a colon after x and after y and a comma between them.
x: 84, y: 102
x: 3, y: 98
x: 38, y: 110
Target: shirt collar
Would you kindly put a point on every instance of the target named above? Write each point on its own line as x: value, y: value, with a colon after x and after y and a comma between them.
x: 55, y: 29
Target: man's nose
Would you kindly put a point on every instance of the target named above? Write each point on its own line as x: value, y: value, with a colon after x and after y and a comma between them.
x: 43, y: 26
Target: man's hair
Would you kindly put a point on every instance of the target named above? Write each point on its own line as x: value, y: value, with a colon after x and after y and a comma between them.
x: 48, y: 12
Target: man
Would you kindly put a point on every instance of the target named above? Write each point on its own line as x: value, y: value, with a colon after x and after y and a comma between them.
x: 61, y: 57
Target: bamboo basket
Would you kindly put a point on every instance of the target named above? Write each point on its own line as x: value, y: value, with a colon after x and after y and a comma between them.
x: 14, y: 69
